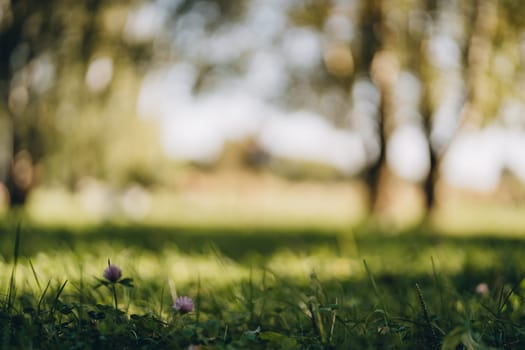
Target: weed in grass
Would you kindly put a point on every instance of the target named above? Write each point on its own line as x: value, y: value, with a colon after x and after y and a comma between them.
x: 183, y: 305
x: 112, y: 275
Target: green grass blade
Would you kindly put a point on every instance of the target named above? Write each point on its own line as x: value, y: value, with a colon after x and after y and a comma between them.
x: 376, y: 292
x: 57, y: 296
x: 12, y: 283
x: 42, y: 295
x: 198, y: 301
x: 424, y: 307
x: 35, y: 275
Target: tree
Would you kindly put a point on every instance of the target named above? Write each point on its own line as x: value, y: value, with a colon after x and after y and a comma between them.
x: 46, y: 47
x: 21, y: 42
x: 369, y: 45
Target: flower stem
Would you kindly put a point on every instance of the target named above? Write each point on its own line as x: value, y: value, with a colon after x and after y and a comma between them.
x: 114, y: 295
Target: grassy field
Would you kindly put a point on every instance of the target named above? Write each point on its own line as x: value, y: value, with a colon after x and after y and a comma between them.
x: 275, y: 288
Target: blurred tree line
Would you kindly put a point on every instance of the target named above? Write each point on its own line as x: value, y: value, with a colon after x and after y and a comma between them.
x: 69, y: 79
x: 62, y: 62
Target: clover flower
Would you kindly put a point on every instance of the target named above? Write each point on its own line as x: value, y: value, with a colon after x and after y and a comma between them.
x: 482, y: 289
x: 112, y: 273
x: 183, y: 305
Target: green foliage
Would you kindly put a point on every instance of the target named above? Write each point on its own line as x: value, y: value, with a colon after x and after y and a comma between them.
x: 404, y: 303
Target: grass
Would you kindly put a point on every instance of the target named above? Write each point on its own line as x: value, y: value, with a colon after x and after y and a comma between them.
x: 230, y: 199
x: 278, y: 288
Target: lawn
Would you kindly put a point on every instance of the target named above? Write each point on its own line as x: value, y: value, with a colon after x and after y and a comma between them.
x: 276, y: 288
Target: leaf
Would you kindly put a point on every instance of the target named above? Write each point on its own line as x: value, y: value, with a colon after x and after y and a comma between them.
x: 278, y: 341
x: 96, y: 315
x: 212, y: 328
x: 251, y: 335
x: 101, y: 283
x: 66, y: 309
x: 462, y: 336
x: 29, y: 310
x: 127, y: 282
x: 187, y: 333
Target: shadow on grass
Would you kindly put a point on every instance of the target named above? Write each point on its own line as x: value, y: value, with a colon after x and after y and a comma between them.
x: 245, y: 244
x: 393, y: 259
x: 236, y: 244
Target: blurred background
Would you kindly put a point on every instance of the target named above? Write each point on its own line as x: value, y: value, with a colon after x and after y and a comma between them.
x: 264, y: 112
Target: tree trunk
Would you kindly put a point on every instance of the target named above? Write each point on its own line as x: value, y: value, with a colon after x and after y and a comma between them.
x: 429, y: 186
x: 371, y: 20
x: 373, y: 175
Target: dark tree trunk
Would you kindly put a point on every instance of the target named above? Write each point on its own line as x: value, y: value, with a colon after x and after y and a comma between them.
x: 9, y: 39
x: 429, y: 186
x: 22, y: 136
x: 370, y: 34
x: 17, y: 195
x: 373, y: 175
x: 370, y: 43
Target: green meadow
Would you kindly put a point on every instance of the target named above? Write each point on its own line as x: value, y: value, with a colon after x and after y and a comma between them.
x: 269, y: 288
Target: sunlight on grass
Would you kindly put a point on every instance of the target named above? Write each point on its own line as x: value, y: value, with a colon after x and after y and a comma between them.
x: 277, y: 204
x: 86, y: 261
x: 167, y: 265
x: 467, y: 219
x: 261, y: 288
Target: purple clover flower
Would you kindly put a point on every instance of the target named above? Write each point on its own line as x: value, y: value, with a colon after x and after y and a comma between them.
x: 183, y: 305
x: 112, y: 273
